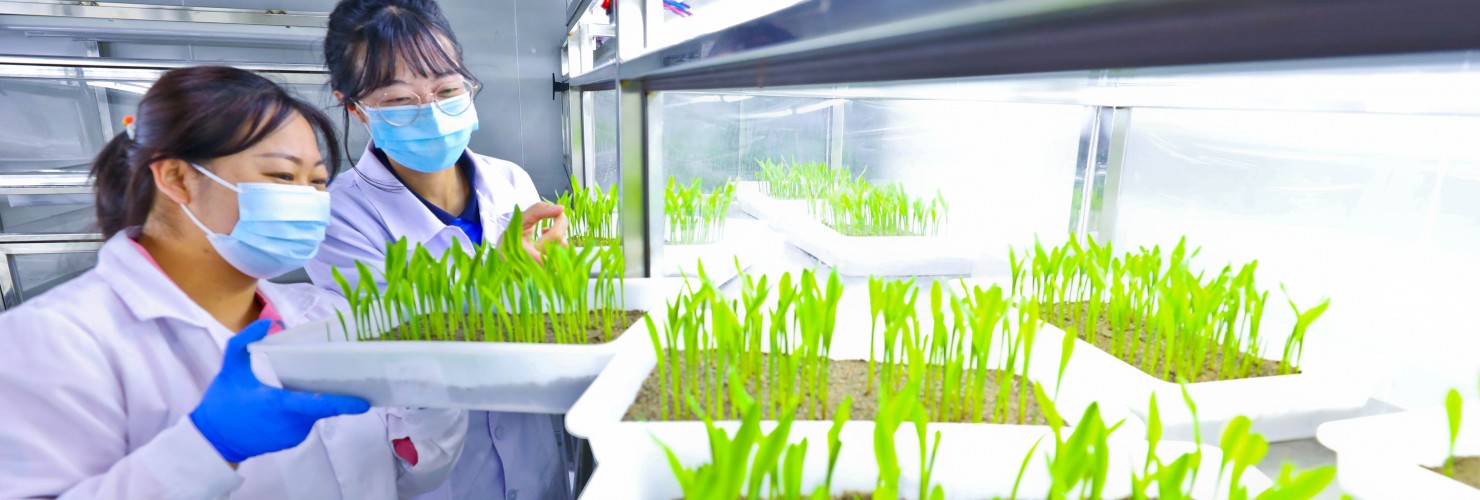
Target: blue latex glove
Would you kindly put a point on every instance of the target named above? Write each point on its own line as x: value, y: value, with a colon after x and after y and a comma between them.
x: 243, y: 418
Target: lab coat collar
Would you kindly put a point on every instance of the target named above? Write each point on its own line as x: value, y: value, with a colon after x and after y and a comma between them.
x: 149, y: 294
x: 404, y: 215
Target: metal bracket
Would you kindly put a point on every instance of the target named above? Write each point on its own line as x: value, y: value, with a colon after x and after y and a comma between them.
x: 1097, y: 172
x: 557, y: 87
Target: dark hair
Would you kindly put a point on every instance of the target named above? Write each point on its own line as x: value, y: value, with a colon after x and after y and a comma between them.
x: 194, y: 114
x: 367, y: 40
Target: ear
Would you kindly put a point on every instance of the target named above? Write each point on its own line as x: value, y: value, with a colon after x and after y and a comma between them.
x: 172, y: 179
x: 351, y: 107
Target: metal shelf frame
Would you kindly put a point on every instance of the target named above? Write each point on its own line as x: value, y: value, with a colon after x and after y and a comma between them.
x: 169, y: 13
x: 821, y: 42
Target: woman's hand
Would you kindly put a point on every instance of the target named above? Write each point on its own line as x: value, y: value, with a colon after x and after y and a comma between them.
x: 536, y: 239
x: 243, y: 418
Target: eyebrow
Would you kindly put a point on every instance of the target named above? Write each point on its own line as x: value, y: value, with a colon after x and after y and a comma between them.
x: 288, y: 157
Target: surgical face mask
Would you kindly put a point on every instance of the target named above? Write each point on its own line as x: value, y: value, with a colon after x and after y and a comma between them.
x: 433, y: 137
x: 279, y: 227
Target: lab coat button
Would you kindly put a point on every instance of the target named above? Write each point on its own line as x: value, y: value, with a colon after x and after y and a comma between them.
x: 513, y: 495
x: 498, y: 432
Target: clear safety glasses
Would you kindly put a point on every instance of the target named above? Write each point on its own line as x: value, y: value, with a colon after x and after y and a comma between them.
x: 402, y: 107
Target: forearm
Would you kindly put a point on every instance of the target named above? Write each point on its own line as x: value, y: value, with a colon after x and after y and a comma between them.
x: 177, y: 464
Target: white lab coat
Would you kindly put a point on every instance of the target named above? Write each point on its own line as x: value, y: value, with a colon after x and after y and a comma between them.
x: 370, y: 208
x: 99, y: 375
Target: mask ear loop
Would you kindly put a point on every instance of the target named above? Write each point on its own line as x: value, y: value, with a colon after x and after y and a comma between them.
x: 218, y: 180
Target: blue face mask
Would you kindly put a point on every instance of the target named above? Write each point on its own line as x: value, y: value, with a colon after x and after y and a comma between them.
x: 433, y: 140
x: 279, y: 227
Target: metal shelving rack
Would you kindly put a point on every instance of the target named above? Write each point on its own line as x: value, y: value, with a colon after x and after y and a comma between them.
x: 820, y: 42
x: 96, y: 23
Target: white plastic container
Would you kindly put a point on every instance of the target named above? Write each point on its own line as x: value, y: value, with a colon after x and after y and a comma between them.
x: 496, y: 376
x: 1282, y: 408
x: 856, y: 255
x: 1383, y: 457
x: 718, y: 257
x: 974, y: 460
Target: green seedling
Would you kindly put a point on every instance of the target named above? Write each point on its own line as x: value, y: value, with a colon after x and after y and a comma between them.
x: 794, y: 180
x: 1155, y: 306
x: 1303, y: 486
x: 693, y: 216
x: 1295, y: 344
x: 494, y: 292
x: 1452, y: 407
x: 592, y: 213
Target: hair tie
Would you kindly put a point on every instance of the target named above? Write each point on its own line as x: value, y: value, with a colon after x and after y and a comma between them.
x: 128, y: 127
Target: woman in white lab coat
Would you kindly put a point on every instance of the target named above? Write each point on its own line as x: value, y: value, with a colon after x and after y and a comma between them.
x: 128, y: 383
x: 397, y: 68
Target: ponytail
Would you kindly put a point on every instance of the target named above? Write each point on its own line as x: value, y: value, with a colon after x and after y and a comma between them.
x: 123, y: 194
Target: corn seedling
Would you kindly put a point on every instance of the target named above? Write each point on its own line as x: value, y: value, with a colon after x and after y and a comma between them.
x: 857, y: 207
x: 1082, y: 458
x: 1148, y: 308
x: 1452, y: 408
x: 707, y: 334
x: 958, y: 349
x: 496, y: 292
x: 694, y: 216
x: 1303, y: 486
x: 796, y: 181
x: 592, y: 213
x: 752, y: 462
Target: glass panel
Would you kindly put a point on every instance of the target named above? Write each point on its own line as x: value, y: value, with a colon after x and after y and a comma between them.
x: 1377, y: 211
x: 49, y: 124
x: 604, y: 138
x: 37, y: 273
x: 1007, y: 169
x: 983, y: 159
x: 47, y: 214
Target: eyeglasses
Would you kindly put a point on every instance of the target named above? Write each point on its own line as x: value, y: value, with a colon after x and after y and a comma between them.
x: 402, y: 107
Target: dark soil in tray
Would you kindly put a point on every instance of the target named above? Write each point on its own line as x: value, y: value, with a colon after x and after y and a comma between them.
x: 596, y: 334
x: 1063, y: 317
x: 1466, y: 470
x: 846, y: 378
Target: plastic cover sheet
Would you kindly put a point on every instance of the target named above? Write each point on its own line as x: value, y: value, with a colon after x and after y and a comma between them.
x: 604, y: 142
x: 1380, y: 212
x: 51, y: 214
x: 38, y: 273
x: 49, y: 124
x: 716, y: 137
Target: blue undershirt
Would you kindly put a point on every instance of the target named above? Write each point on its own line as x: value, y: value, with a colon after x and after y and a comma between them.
x: 468, y: 221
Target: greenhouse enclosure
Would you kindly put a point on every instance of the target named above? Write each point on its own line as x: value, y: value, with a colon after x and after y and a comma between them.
x: 955, y: 249
x: 947, y: 144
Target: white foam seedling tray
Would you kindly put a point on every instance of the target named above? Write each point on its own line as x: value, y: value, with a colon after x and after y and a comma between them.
x: 856, y: 255
x: 718, y: 257
x: 1383, y: 457
x: 974, y: 460
x: 495, y: 376
x: 617, y: 387
x: 1282, y: 408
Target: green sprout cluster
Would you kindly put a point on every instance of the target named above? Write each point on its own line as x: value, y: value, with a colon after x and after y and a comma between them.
x: 1081, y: 461
x: 956, y: 389
x: 1195, y: 323
x: 858, y: 207
x: 854, y: 206
x: 725, y: 476
x: 592, y: 213
x: 496, y: 293
x: 694, y: 216
x: 707, y: 335
x: 798, y: 180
